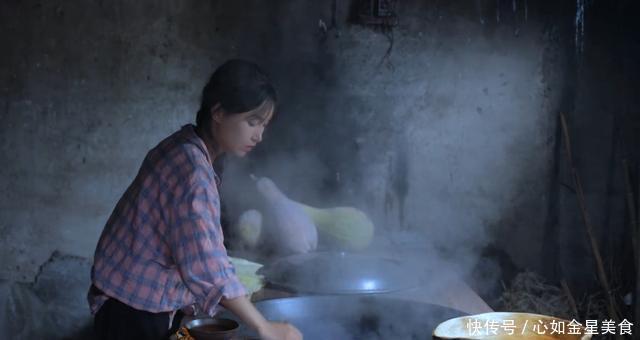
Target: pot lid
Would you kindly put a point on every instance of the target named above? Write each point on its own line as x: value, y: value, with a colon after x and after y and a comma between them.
x: 340, y: 273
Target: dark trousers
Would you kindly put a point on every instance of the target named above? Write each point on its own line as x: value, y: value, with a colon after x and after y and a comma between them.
x: 117, y: 321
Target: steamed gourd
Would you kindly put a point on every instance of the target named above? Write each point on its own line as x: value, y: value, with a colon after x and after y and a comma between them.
x: 249, y: 227
x: 292, y: 230
x: 348, y: 227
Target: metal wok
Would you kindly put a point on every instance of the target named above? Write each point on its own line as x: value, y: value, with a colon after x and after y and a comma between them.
x: 331, y: 273
x: 348, y: 317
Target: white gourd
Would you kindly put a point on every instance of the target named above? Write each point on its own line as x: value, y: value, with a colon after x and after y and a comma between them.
x: 293, y: 229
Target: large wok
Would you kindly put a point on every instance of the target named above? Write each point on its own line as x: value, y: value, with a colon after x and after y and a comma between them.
x: 341, y: 273
x: 347, y: 317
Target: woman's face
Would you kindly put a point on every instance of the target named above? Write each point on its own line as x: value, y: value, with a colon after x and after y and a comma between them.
x: 239, y: 133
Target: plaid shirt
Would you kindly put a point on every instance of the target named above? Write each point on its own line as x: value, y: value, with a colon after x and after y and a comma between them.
x: 162, y: 248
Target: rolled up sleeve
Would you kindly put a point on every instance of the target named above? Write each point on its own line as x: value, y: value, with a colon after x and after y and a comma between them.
x: 196, y: 241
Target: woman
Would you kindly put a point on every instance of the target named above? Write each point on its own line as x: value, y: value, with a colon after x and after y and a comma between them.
x: 162, y: 249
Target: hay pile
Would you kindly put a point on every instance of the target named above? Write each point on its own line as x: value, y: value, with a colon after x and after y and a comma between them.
x: 530, y: 293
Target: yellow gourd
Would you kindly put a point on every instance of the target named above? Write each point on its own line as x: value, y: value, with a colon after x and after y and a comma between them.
x: 349, y: 227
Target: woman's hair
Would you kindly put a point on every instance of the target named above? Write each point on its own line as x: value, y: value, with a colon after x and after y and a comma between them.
x: 238, y: 86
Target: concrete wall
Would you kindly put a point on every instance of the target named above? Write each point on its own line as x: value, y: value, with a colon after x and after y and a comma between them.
x: 449, y: 137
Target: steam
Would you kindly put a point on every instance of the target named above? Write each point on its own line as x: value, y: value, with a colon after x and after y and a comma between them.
x: 298, y: 175
x: 436, y: 152
x: 358, y: 317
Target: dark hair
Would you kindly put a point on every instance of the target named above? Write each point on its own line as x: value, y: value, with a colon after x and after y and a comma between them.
x: 238, y: 86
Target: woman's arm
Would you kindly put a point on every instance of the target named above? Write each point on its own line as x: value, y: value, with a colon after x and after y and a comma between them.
x: 196, y: 243
x: 244, y: 309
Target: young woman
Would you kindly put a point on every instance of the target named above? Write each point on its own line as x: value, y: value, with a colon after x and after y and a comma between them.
x: 162, y: 250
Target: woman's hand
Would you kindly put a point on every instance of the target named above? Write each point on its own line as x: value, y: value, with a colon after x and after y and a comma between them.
x: 279, y: 331
x: 244, y: 309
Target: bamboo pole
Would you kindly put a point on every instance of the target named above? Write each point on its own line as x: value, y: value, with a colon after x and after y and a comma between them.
x: 637, y: 258
x: 633, y: 229
x: 631, y: 206
x: 602, y: 276
x: 572, y: 301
